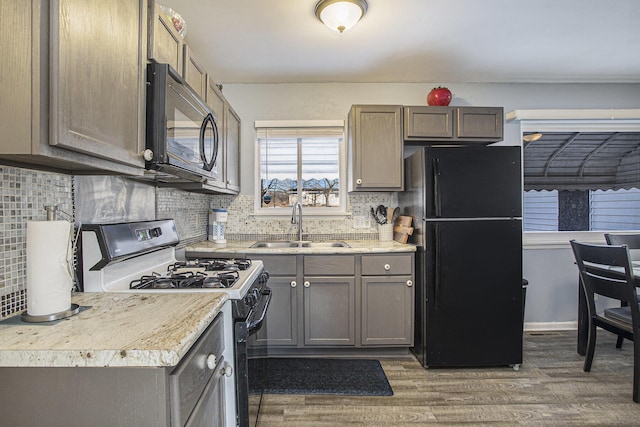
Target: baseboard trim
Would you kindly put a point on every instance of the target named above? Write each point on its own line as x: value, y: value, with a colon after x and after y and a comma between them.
x: 551, y: 326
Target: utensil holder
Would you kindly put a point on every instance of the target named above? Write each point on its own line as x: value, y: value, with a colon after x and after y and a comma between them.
x: 385, y: 232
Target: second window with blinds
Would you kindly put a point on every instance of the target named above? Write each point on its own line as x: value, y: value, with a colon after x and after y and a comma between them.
x: 300, y: 161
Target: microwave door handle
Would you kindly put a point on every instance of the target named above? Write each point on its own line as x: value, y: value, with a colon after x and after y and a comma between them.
x: 207, y: 164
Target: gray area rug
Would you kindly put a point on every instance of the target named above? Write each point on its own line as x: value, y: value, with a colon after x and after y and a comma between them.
x: 352, y: 377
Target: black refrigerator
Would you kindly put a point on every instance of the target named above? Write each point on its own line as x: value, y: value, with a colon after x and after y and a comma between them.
x: 466, y: 204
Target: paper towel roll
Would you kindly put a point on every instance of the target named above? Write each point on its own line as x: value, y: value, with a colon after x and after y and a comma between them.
x: 49, y: 279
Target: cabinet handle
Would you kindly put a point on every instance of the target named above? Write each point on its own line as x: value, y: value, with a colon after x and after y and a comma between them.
x: 212, y: 361
x: 147, y: 155
x: 293, y: 284
x: 227, y: 370
x: 307, y: 284
x: 358, y: 181
x: 387, y: 267
x: 409, y: 283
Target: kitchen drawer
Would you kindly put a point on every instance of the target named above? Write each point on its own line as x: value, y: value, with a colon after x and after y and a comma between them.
x: 329, y: 265
x: 279, y: 265
x: 381, y: 265
x: 189, y: 378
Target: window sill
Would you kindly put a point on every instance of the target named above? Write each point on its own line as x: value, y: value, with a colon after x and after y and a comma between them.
x: 559, y: 239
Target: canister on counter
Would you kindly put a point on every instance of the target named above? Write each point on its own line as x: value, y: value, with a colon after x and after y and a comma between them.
x: 217, y: 224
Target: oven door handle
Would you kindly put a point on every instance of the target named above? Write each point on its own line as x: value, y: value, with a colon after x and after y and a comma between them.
x: 253, y: 323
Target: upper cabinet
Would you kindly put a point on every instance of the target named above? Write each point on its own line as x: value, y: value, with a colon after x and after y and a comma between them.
x: 165, y: 43
x: 232, y: 150
x: 375, y: 148
x: 470, y: 125
x: 73, y: 89
x: 194, y: 74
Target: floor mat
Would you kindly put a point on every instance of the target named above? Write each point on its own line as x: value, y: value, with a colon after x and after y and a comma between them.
x: 352, y: 377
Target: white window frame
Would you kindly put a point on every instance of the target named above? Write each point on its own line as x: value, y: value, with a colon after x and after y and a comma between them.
x: 338, y: 212
x: 625, y: 120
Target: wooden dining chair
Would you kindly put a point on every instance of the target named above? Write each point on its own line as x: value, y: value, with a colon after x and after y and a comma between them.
x: 633, y: 243
x: 607, y: 270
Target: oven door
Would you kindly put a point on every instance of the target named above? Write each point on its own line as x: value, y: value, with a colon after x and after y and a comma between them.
x: 182, y: 132
x: 250, y: 365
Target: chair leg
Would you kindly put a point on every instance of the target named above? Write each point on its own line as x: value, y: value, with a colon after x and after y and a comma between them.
x: 619, y: 341
x: 636, y: 370
x: 591, y: 347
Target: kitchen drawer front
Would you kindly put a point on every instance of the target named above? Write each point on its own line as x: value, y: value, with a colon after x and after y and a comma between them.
x: 189, y: 378
x: 381, y: 265
x: 279, y: 265
x: 329, y: 265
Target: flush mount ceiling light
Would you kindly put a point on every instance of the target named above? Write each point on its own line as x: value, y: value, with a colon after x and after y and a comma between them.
x: 340, y: 15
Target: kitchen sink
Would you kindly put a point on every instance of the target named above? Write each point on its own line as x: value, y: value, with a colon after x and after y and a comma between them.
x: 303, y: 244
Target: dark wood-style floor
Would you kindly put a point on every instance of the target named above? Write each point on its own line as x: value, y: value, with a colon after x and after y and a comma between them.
x: 549, y: 389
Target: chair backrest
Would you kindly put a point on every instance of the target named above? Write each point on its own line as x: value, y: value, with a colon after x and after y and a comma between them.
x: 631, y: 240
x: 606, y: 270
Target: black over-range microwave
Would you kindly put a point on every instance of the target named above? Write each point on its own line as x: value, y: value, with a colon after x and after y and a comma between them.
x: 182, y: 132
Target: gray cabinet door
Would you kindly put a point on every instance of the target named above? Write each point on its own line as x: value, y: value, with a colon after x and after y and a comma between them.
x: 193, y: 73
x: 431, y: 122
x: 484, y: 123
x: 387, y: 311
x: 232, y: 147
x: 281, y: 327
x: 329, y: 311
x: 375, y: 148
x: 165, y: 44
x: 97, y: 81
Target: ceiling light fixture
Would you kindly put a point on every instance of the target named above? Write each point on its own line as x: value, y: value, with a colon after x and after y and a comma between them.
x: 340, y: 15
x: 532, y: 137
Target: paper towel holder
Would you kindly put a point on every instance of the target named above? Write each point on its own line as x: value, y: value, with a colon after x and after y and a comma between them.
x: 52, y: 212
x: 73, y: 310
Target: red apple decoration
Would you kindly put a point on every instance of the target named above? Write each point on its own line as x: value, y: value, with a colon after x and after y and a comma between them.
x: 439, y: 96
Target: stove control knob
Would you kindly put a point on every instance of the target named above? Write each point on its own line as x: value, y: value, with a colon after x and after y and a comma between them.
x: 212, y: 361
x: 256, y: 295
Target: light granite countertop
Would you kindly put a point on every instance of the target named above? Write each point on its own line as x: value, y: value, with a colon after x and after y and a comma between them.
x: 244, y: 247
x: 112, y: 329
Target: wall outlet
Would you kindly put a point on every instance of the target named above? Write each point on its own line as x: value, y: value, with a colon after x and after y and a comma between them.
x: 361, y: 222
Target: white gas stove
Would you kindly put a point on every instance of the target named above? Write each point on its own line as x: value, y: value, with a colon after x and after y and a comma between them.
x: 140, y: 256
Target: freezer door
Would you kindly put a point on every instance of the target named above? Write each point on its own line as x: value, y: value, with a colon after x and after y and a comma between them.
x: 473, y: 182
x: 474, y: 293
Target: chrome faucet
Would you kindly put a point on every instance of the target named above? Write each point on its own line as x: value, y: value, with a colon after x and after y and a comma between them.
x: 298, y: 207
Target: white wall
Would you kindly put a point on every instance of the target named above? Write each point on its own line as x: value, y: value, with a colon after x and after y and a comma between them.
x: 552, y: 293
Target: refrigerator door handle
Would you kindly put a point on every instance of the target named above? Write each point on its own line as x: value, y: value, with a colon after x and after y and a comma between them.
x: 436, y: 248
x: 436, y: 188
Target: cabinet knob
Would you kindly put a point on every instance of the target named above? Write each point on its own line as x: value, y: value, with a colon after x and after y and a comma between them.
x: 387, y: 267
x: 307, y: 284
x: 229, y: 182
x: 293, y: 284
x: 409, y: 283
x: 212, y: 361
x: 148, y: 155
x: 358, y: 181
x: 227, y: 370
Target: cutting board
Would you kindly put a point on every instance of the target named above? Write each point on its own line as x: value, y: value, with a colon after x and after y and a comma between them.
x: 402, y: 229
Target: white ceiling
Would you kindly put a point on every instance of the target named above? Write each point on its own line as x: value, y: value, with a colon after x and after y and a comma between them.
x: 452, y: 41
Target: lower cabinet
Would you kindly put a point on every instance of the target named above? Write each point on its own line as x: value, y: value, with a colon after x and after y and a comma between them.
x: 329, y: 311
x: 199, y: 391
x: 387, y: 311
x: 337, y: 301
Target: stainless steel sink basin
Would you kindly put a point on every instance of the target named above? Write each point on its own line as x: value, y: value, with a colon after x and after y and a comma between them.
x: 325, y: 245
x: 303, y: 244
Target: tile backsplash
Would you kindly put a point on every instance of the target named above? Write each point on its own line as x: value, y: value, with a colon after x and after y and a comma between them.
x: 242, y: 225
